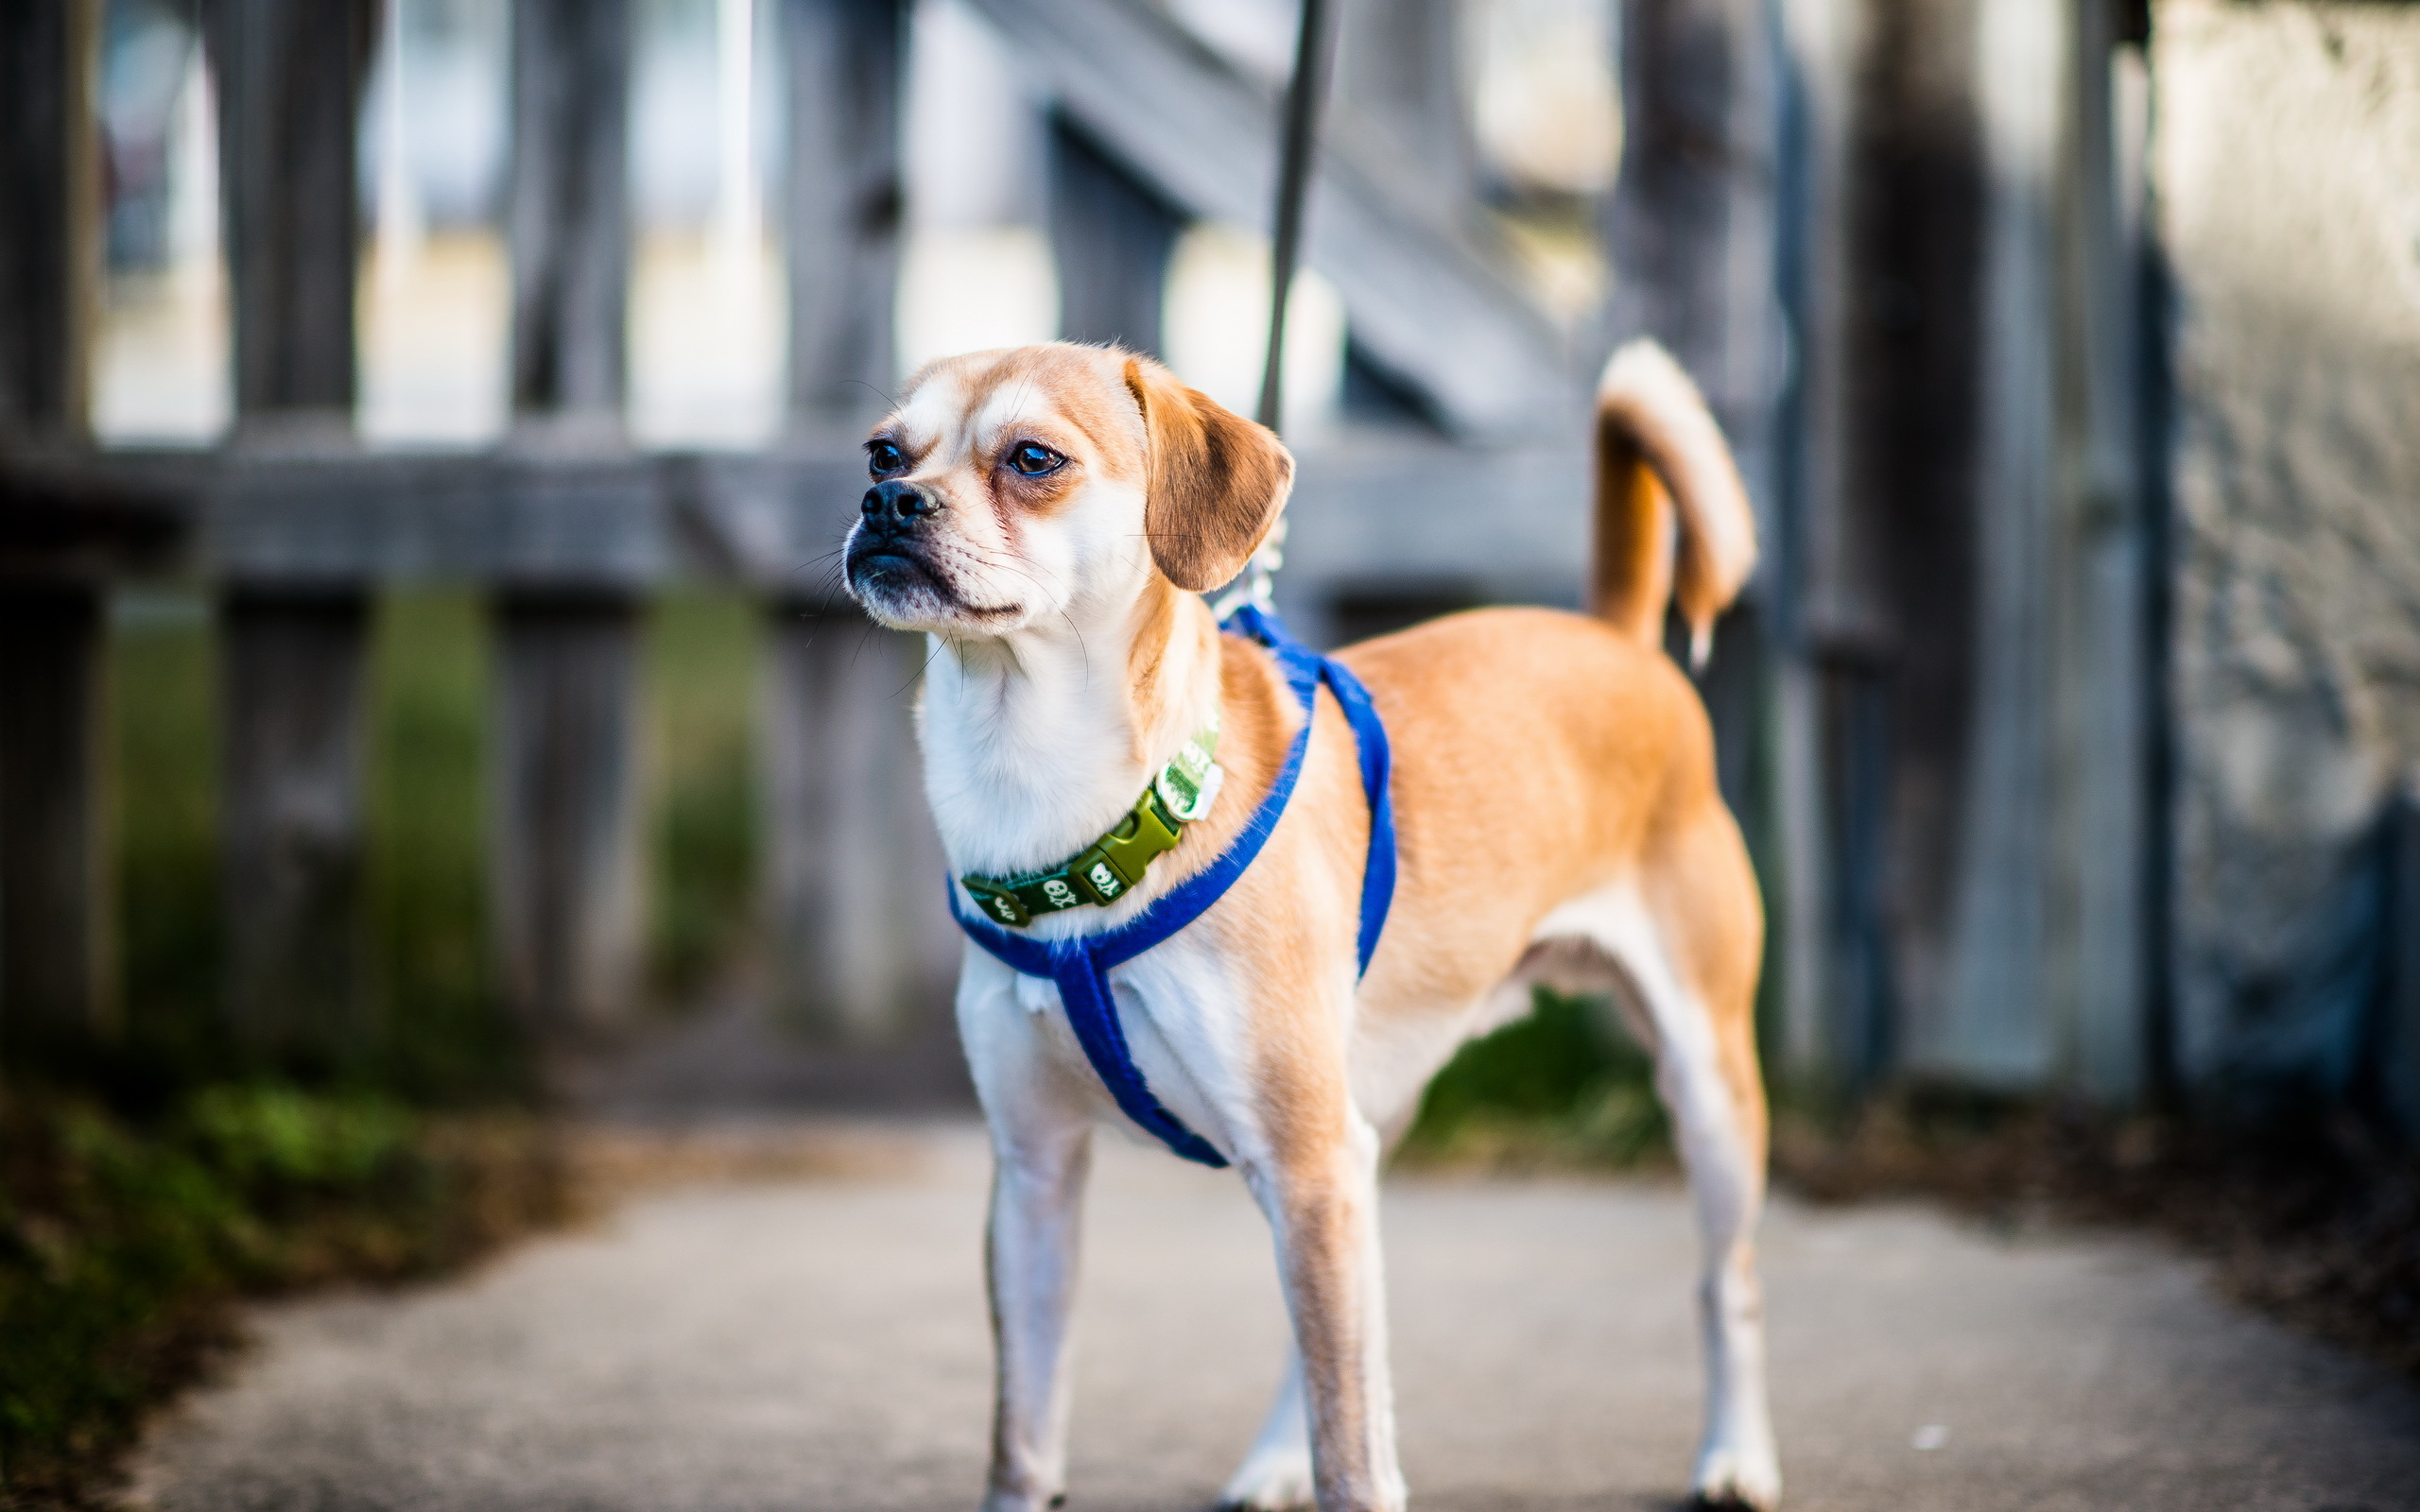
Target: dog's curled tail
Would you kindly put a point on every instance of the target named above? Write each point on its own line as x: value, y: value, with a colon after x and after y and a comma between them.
x: 1657, y: 443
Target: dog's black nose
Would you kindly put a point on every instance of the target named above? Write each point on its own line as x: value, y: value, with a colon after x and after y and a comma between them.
x: 902, y: 502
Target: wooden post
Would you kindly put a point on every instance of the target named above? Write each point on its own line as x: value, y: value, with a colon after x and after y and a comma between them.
x: 53, y: 957
x: 565, y: 843
x: 1692, y: 233
x: 856, y: 874
x: 843, y: 206
x: 50, y: 237
x: 2106, y: 686
x: 1113, y: 240
x: 291, y: 827
x: 289, y: 75
x: 566, y: 847
x: 1398, y: 77
x: 54, y: 967
x: 569, y: 216
x: 1689, y: 227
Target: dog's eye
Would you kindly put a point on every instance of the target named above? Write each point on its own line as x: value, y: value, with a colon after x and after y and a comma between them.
x: 883, y: 459
x: 1034, y: 460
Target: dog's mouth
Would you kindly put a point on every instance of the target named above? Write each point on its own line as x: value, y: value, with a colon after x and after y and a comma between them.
x: 901, y: 586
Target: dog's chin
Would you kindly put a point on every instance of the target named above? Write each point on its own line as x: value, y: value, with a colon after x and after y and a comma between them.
x: 904, y: 592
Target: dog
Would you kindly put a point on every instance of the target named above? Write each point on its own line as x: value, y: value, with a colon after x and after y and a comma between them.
x: 1050, y: 516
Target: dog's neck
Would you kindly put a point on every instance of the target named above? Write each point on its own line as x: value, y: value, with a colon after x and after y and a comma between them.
x: 1037, y: 742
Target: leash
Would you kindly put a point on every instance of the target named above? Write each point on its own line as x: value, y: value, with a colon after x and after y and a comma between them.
x: 1079, y: 965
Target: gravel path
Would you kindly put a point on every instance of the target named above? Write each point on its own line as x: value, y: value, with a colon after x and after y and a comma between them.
x: 820, y: 1343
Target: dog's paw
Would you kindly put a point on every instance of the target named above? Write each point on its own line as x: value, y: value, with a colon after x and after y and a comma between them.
x: 1023, y: 1502
x: 1271, y: 1483
x: 1730, y: 1482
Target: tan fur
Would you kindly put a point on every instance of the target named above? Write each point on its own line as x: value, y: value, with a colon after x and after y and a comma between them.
x: 1538, y: 758
x: 1217, y: 481
x: 1651, y: 416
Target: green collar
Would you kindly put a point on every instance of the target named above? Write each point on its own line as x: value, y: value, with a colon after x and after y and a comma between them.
x: 1105, y: 870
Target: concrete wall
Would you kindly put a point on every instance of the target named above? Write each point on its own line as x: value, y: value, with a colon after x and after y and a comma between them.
x: 2287, y: 163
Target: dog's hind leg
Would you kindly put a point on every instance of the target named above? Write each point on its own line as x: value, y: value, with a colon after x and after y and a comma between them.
x: 1275, y: 1475
x: 1690, y: 967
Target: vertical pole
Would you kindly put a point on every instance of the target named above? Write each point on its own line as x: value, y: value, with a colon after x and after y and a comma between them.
x: 844, y: 202
x: 852, y: 936
x: 1112, y: 238
x: 53, y: 970
x: 50, y: 237
x: 568, y: 219
x: 565, y: 854
x: 1691, y: 232
x: 53, y: 957
x: 292, y: 823
x: 2013, y: 979
x: 567, y: 846
x: 290, y: 74
x: 1908, y: 513
x: 1399, y: 76
x: 862, y: 945
x: 1689, y: 228
x: 2104, y: 665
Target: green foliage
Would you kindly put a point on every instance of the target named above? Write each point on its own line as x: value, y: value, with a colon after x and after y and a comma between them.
x: 1558, y: 1088
x: 122, y: 1241
x: 442, y: 1034
x: 702, y: 668
x: 163, y: 679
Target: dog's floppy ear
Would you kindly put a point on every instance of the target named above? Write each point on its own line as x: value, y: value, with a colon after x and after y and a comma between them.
x: 1215, y: 480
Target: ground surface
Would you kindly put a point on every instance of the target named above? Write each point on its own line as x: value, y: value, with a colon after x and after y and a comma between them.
x: 819, y: 1342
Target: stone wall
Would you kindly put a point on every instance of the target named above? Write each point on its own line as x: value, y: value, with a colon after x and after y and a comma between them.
x: 2287, y: 164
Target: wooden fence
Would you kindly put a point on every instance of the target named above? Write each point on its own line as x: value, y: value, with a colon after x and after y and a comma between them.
x: 293, y: 522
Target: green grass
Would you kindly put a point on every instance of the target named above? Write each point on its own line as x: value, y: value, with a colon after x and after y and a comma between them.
x: 701, y: 666
x: 1560, y: 1088
x: 162, y: 807
x: 442, y: 1034
x: 149, y: 1177
x: 122, y: 1241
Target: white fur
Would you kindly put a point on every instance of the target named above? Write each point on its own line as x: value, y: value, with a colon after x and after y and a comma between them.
x: 1029, y: 755
x: 1736, y: 1458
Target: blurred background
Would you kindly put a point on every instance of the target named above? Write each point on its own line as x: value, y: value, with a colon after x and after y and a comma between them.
x: 427, y: 429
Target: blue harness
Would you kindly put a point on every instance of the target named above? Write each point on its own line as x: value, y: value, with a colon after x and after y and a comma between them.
x: 1080, y: 965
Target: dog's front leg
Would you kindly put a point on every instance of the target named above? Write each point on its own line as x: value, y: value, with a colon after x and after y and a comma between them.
x: 1037, y: 1209
x: 1321, y: 1193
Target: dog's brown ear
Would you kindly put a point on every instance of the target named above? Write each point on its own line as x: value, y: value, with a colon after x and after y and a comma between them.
x: 1215, y: 480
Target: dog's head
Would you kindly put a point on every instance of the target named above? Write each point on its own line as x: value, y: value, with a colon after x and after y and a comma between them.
x: 1054, y: 482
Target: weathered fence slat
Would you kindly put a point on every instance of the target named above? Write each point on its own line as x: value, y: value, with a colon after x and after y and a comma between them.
x: 855, y: 872
x: 53, y: 967
x: 1112, y: 238
x: 569, y: 216
x: 289, y: 75
x: 1399, y: 77
x: 49, y: 237
x: 843, y: 200
x: 291, y: 827
x: 565, y: 842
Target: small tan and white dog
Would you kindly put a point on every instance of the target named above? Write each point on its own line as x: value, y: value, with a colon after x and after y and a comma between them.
x: 1049, y: 516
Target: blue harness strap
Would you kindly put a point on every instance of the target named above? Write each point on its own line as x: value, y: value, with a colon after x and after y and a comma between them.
x: 1080, y: 965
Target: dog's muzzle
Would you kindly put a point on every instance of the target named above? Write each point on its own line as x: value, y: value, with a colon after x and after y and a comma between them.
x: 886, y: 551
